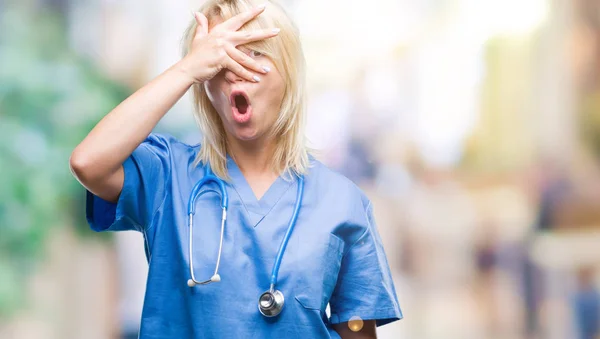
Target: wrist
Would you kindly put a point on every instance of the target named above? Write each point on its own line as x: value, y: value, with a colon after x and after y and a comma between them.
x: 183, y: 69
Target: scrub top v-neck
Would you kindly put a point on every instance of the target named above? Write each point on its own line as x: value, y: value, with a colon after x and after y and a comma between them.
x: 334, y: 256
x: 257, y: 208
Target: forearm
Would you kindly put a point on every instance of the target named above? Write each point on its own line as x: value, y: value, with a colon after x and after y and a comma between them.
x: 121, y: 131
x: 357, y: 335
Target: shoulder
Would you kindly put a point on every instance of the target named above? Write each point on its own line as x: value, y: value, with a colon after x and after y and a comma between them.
x: 339, y: 203
x: 167, y: 140
x: 165, y: 151
x: 168, y: 145
x: 331, y: 184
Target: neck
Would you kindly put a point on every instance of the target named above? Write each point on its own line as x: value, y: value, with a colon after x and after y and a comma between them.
x: 252, y: 157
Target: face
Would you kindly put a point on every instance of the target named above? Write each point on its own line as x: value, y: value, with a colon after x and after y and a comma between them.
x: 248, y: 110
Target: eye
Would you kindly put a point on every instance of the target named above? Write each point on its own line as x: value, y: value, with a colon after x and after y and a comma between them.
x: 255, y: 54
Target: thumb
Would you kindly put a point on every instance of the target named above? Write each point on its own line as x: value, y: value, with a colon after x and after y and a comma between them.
x: 202, y: 21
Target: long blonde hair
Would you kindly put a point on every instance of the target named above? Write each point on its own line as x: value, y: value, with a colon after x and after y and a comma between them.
x: 291, y: 155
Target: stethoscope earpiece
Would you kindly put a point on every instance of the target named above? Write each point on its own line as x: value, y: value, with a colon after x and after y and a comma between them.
x: 214, y: 278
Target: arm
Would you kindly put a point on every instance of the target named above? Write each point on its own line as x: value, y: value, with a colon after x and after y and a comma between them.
x: 367, y: 331
x: 97, y: 162
x: 364, y: 286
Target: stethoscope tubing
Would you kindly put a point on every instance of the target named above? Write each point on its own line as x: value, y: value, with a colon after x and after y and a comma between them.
x: 275, y: 307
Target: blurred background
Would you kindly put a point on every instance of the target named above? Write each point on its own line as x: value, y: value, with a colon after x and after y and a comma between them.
x: 473, y: 125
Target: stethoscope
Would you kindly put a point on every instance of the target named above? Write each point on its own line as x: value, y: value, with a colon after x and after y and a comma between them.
x: 270, y: 303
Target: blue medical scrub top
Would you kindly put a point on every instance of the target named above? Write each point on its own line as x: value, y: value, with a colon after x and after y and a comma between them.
x: 334, y: 256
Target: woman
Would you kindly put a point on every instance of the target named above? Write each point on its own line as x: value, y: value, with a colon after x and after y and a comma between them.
x: 244, y: 65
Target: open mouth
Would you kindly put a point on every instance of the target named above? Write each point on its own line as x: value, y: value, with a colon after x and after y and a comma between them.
x: 240, y: 105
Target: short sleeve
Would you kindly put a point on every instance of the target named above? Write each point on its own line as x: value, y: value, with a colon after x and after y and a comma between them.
x: 365, y: 287
x: 147, y: 171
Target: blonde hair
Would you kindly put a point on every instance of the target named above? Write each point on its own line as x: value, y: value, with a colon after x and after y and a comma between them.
x: 291, y: 156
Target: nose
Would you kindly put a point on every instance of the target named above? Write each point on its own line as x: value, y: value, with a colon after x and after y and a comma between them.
x: 232, y: 77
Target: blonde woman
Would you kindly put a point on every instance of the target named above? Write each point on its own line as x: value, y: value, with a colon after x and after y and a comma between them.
x: 278, y: 235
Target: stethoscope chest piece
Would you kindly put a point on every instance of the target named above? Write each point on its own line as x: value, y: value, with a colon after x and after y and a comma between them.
x: 270, y: 303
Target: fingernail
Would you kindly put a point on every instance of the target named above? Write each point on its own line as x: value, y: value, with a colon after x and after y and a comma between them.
x: 266, y: 69
x: 276, y: 30
x: 193, y: 13
x: 256, y: 78
x: 262, y: 6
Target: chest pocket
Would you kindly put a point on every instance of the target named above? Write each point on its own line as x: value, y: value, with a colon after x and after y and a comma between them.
x: 319, y: 268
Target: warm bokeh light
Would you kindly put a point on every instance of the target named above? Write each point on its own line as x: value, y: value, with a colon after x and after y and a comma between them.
x: 355, y: 324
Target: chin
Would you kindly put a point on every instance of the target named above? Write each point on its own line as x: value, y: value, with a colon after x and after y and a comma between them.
x: 246, y: 133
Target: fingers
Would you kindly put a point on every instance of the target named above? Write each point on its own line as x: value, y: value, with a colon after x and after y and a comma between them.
x: 239, y: 70
x: 202, y: 21
x: 240, y: 38
x: 234, y: 23
x: 244, y: 60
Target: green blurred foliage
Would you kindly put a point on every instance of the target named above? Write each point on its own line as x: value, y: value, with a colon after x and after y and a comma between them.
x: 49, y: 99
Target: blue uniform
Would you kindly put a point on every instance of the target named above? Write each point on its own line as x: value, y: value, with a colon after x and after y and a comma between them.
x: 334, y: 255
